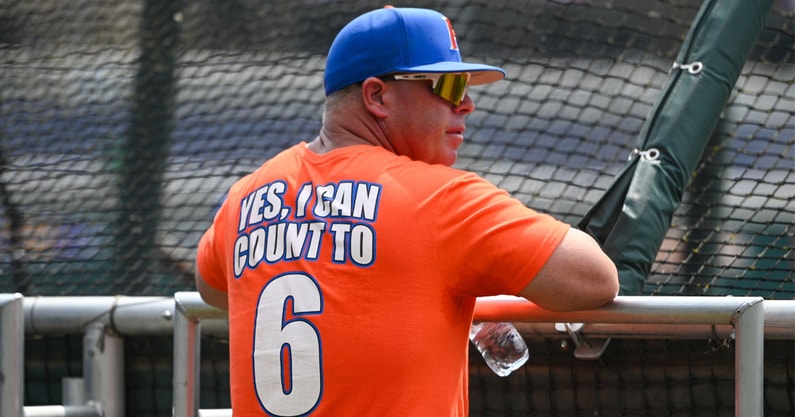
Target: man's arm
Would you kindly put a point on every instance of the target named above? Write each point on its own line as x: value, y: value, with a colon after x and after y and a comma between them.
x: 210, y: 295
x: 577, y: 276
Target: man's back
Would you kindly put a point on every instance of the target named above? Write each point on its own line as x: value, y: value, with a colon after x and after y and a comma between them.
x: 352, y: 278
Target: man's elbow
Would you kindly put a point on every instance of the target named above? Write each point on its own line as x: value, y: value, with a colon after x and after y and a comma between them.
x: 210, y: 295
x: 610, y: 286
x: 601, y: 276
x: 215, y: 300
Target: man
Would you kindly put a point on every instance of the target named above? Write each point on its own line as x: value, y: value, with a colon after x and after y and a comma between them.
x: 350, y: 264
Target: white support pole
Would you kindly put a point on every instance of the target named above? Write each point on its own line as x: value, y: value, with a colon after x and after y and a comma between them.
x: 187, y: 346
x: 73, y: 391
x: 748, y: 360
x: 125, y: 315
x: 62, y: 411
x: 12, y: 354
x: 780, y: 319
x: 189, y: 308
x: 220, y: 412
x: 131, y: 315
x: 103, y: 370
x: 676, y: 310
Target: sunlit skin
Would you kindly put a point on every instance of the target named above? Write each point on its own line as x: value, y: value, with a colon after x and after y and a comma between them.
x: 405, y: 117
x: 424, y: 126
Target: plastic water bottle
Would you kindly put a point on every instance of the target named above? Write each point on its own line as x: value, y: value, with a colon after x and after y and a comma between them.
x: 501, y: 345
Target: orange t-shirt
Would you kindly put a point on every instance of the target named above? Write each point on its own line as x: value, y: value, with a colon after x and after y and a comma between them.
x: 352, y: 278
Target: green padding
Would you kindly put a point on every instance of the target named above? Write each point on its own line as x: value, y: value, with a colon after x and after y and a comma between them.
x: 631, y: 219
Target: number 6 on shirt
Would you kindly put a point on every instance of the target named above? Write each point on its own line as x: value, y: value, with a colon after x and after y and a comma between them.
x: 288, y: 371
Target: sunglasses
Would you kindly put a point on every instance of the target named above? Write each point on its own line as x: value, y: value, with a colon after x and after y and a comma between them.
x: 451, y: 86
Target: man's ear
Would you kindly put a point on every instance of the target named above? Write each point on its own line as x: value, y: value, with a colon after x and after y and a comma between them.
x: 374, y: 92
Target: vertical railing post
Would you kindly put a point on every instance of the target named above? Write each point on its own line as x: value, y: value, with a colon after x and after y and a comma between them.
x: 187, y: 346
x: 749, y: 359
x: 73, y: 391
x: 12, y: 354
x: 103, y: 370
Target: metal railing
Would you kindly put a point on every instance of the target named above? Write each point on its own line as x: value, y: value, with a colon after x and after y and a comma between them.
x: 102, y: 320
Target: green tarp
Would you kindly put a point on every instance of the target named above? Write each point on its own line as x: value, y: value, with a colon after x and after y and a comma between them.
x: 631, y: 219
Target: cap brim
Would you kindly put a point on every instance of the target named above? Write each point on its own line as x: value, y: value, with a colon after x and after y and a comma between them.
x: 481, y: 73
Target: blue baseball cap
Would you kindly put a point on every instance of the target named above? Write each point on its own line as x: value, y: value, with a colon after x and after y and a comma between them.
x: 398, y: 40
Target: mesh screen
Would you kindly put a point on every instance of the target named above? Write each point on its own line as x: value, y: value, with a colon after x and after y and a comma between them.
x: 123, y: 123
x: 634, y: 378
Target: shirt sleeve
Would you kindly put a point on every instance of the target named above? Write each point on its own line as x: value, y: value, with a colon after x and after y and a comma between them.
x: 208, y: 263
x: 490, y: 241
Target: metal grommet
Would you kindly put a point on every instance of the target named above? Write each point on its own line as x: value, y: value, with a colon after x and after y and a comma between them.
x: 652, y: 154
x: 695, y: 67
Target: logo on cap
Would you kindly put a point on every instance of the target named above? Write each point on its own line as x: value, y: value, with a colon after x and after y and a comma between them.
x: 451, y: 33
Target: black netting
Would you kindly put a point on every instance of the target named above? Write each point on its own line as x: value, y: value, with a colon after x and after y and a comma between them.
x: 123, y: 123
x: 653, y: 378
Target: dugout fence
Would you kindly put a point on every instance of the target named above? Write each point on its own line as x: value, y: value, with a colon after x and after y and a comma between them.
x: 103, y: 320
x: 123, y: 123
